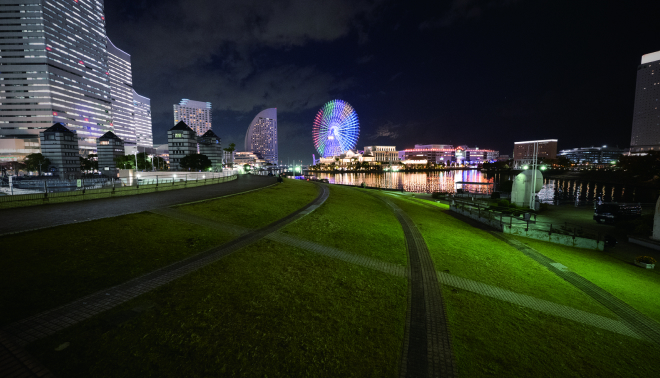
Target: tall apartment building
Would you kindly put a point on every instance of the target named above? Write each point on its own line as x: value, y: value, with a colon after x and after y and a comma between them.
x: 195, y: 114
x: 121, y: 93
x: 523, y: 152
x: 142, y: 121
x: 261, y: 136
x: 646, y: 115
x: 54, y: 70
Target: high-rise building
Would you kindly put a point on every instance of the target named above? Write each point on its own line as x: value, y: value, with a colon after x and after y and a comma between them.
x: 646, y: 116
x: 142, y: 121
x: 121, y: 93
x: 523, y: 152
x: 195, y: 114
x: 261, y: 136
x: 54, y: 70
x: 593, y: 155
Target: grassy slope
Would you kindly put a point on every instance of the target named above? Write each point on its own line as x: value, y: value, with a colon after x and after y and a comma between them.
x: 43, y: 269
x: 498, y: 339
x: 268, y: 310
x: 495, y: 338
x: 476, y: 254
x: 636, y: 286
x: 259, y: 208
x: 355, y: 221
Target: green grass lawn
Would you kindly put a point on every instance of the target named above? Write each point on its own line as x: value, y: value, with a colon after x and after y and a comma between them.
x: 476, y: 254
x: 355, y: 221
x: 46, y: 268
x: 259, y: 208
x: 43, y: 269
x: 266, y: 311
x: 492, y: 338
x: 640, y: 288
x: 495, y: 338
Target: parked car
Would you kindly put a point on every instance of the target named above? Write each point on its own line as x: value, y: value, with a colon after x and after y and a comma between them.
x: 614, y: 212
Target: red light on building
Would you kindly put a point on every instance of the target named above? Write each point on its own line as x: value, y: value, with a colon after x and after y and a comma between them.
x: 48, y: 48
x: 54, y: 113
x: 81, y: 62
x: 86, y: 119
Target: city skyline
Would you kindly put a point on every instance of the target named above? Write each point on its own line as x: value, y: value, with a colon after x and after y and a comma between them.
x: 483, y: 75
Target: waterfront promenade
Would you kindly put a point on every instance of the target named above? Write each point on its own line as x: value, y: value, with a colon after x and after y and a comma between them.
x: 36, y: 217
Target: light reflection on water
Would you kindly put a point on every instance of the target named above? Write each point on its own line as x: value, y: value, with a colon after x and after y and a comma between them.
x: 423, y: 182
x: 554, y: 190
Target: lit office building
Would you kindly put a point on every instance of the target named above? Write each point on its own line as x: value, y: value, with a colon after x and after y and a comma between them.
x: 142, y: 121
x: 54, y: 70
x: 261, y: 136
x: 195, y: 114
x: 593, y: 155
x: 121, y: 93
x: 523, y: 152
x: 646, y: 115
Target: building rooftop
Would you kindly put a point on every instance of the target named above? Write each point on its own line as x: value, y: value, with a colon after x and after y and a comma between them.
x: 651, y: 57
x: 110, y: 135
x: 210, y: 134
x: 58, y: 128
x: 181, y: 126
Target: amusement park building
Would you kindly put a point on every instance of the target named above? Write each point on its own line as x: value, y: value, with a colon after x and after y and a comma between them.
x: 382, y: 153
x: 445, y: 153
x: 261, y: 136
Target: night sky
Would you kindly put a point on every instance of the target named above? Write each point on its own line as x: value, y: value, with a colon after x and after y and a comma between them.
x: 481, y: 73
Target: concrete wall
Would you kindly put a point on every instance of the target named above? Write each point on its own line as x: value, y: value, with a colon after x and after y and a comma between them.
x: 567, y: 240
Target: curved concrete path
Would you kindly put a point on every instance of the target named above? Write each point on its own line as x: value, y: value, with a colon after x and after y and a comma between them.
x: 43, y: 216
x: 49, y: 322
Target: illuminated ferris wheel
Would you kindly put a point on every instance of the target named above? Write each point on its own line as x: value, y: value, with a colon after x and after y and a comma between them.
x: 336, y: 128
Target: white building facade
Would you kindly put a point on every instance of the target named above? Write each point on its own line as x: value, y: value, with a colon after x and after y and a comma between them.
x: 142, y: 120
x: 54, y: 70
x: 121, y: 94
x: 195, y: 114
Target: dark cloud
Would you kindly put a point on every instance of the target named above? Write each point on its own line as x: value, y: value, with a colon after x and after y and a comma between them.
x: 461, y: 10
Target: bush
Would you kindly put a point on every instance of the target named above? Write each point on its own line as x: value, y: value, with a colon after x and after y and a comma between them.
x: 503, y: 202
x: 645, y: 259
x: 513, y: 205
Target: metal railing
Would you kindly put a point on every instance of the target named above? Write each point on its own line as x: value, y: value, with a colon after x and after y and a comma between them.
x: 85, y: 190
x: 525, y: 218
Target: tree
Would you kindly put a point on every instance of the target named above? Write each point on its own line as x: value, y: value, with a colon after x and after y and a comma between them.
x: 125, y: 162
x: 85, y: 164
x: 230, y: 149
x: 196, y: 162
x: 160, y: 163
x: 36, y: 162
x: 142, y: 162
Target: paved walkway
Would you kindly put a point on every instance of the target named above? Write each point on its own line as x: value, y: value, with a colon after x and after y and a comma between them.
x: 50, y: 322
x: 43, y: 216
x: 427, y: 349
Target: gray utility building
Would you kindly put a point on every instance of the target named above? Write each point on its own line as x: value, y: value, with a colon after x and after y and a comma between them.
x: 60, y: 146
x: 181, y: 141
x: 211, y: 146
x: 109, y: 146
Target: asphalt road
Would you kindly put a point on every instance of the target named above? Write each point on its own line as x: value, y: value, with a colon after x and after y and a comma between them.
x: 43, y: 216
